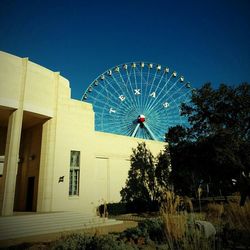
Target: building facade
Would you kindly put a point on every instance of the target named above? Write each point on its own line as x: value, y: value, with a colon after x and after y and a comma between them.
x: 51, y: 157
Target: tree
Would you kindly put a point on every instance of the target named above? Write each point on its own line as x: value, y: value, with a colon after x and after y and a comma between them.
x: 225, y: 108
x: 215, y: 148
x: 163, y: 170
x: 141, y: 184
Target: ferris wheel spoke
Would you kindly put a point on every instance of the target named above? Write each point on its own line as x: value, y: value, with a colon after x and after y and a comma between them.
x: 128, y: 98
x: 169, y: 109
x: 125, y: 94
x: 130, y: 84
x: 114, y: 101
x: 134, y: 74
x: 140, y: 96
x: 161, y: 100
x: 130, y: 91
x: 133, y: 100
x: 108, y: 94
x: 178, y: 90
x: 182, y: 98
x: 155, y: 126
x: 147, y: 85
x: 151, y: 85
x: 153, y: 90
x: 160, y: 93
x: 104, y: 101
x: 116, y: 97
x: 141, y: 84
x: 116, y: 128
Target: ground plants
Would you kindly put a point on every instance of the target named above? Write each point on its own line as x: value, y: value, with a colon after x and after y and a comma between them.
x: 149, y: 230
x: 180, y: 226
x: 82, y: 241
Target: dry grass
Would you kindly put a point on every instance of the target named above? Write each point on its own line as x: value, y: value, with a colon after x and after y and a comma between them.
x: 238, y: 217
x: 179, y: 226
x: 214, y: 214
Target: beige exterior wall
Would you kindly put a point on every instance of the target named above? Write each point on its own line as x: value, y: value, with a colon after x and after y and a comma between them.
x: 67, y: 125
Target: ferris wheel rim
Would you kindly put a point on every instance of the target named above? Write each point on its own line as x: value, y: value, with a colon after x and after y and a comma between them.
x: 102, y: 98
x: 92, y: 84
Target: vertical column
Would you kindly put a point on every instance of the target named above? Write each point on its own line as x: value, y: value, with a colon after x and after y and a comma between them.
x: 11, y: 161
x: 46, y: 172
x: 48, y: 146
x: 12, y: 150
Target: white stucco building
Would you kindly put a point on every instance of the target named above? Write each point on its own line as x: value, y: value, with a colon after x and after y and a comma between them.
x: 51, y: 158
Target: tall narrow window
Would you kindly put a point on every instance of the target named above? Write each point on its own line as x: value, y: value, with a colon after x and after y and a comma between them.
x: 74, y: 174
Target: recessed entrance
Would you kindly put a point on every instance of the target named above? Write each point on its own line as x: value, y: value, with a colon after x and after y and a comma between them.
x: 28, y: 169
x: 26, y: 188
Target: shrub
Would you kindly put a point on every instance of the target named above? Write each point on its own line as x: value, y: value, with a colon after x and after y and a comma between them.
x: 154, y: 229
x: 81, y: 241
x: 146, y: 231
x: 73, y: 241
x: 107, y: 242
x: 130, y: 207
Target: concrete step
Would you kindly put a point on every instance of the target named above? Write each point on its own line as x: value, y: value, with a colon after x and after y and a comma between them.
x: 18, y: 226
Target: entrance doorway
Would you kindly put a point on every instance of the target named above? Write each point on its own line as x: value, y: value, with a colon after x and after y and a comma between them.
x: 28, y: 169
x: 30, y: 193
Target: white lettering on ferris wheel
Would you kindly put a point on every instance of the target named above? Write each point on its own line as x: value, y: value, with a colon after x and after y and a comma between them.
x: 165, y: 104
x: 153, y: 94
x: 122, y: 98
x: 137, y: 92
x: 111, y: 110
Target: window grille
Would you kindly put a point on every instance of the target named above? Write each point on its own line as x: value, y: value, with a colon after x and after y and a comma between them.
x: 74, y: 174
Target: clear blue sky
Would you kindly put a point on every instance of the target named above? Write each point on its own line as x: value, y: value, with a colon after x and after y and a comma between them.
x: 206, y: 41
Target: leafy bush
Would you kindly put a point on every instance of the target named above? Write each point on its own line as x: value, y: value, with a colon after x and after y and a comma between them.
x: 85, y: 242
x: 154, y: 229
x: 73, y: 241
x: 130, y: 207
x: 107, y: 242
x: 114, y: 208
x: 146, y: 231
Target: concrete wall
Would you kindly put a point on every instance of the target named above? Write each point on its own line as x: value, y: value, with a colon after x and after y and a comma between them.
x: 104, y: 158
x: 40, y: 88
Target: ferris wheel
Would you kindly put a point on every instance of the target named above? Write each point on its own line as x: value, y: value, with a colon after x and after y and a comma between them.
x: 138, y: 99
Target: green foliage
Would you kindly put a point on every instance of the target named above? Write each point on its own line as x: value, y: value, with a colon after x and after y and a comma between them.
x: 137, y: 206
x: 225, y: 108
x: 216, y: 146
x: 81, y: 241
x: 149, y: 230
x: 147, y: 178
x: 74, y: 241
x: 114, y: 208
x: 163, y: 169
x: 141, y: 182
x: 176, y: 134
x: 154, y: 229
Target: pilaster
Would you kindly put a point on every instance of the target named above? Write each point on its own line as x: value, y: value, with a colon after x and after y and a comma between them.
x: 12, y: 150
x: 46, y: 174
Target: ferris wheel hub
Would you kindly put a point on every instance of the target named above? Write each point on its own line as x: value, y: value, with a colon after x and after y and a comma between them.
x: 141, y: 118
